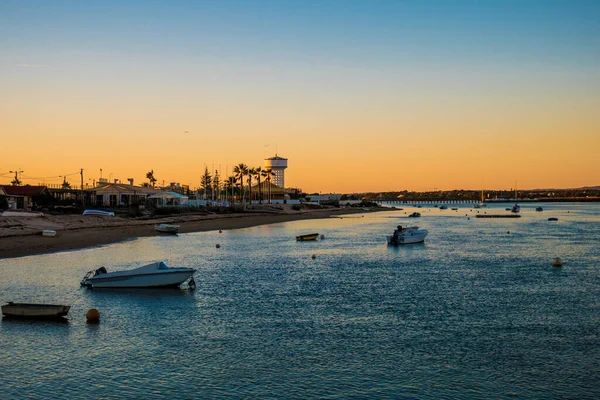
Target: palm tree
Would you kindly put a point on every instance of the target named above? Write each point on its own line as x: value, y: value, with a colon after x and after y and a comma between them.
x: 257, y: 174
x: 251, y: 173
x: 241, y: 170
x: 267, y: 173
x: 151, y: 178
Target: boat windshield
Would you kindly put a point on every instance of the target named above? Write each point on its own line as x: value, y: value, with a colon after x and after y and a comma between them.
x: 162, y: 265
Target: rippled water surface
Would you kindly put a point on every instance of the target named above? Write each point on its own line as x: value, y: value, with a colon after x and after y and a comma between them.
x: 475, y: 312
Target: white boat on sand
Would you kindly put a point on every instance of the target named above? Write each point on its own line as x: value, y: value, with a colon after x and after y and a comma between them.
x: 32, y: 310
x: 17, y: 213
x: 155, y: 275
x: 167, y: 228
x: 407, y: 235
x: 102, y: 213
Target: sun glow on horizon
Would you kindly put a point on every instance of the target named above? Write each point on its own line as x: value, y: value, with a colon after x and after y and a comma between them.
x: 387, y: 98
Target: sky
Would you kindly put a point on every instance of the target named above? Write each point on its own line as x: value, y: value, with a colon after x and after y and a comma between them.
x: 359, y: 96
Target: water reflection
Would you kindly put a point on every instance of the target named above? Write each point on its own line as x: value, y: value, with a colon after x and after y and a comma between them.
x: 35, y: 321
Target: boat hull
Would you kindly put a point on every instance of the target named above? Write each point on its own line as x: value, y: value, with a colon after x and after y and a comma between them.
x: 407, y: 239
x: 169, y: 229
x: 306, y: 238
x: 30, y: 310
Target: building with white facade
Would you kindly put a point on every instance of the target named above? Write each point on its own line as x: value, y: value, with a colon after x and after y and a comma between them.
x: 277, y: 165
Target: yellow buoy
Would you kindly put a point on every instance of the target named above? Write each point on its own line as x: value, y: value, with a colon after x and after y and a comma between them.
x: 557, y: 262
x: 92, y: 316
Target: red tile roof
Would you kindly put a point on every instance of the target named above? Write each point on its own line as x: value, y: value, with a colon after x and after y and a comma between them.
x: 26, y: 190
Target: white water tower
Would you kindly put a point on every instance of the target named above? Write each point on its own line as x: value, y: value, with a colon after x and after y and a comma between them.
x: 277, y: 165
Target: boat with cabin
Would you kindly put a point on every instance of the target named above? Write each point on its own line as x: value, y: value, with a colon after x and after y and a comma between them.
x: 154, y: 275
x: 407, y: 235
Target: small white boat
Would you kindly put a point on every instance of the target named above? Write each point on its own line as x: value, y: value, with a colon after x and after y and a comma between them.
x: 32, y: 310
x: 48, y: 233
x: 99, y: 212
x: 155, y: 275
x: 13, y: 213
x: 407, y: 235
x: 167, y: 228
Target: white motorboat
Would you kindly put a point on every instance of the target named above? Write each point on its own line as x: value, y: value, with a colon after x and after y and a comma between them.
x: 167, y: 228
x: 33, y: 310
x: 49, y: 233
x: 155, y: 275
x: 407, y: 235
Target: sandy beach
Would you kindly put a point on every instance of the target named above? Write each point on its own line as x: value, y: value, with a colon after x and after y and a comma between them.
x: 21, y: 236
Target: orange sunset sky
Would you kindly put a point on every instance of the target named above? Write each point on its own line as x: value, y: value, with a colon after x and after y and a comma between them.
x: 359, y: 96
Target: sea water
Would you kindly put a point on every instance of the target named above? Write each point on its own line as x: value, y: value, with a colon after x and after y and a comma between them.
x: 475, y: 312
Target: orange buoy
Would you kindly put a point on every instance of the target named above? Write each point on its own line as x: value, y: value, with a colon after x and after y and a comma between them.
x: 93, y: 316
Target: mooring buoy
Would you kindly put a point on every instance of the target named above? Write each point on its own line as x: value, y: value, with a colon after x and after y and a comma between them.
x: 92, y: 316
x: 557, y: 262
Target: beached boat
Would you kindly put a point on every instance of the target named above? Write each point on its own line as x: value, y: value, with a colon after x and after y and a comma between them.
x: 155, y: 275
x: 14, y: 213
x: 167, y: 228
x: 32, y: 310
x: 407, y: 235
x: 415, y: 215
x: 48, y: 233
x: 99, y: 212
x: 444, y: 207
x: 552, y: 219
x: 306, y: 238
x: 539, y: 209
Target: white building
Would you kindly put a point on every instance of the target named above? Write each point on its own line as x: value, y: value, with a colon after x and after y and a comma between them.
x: 277, y: 165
